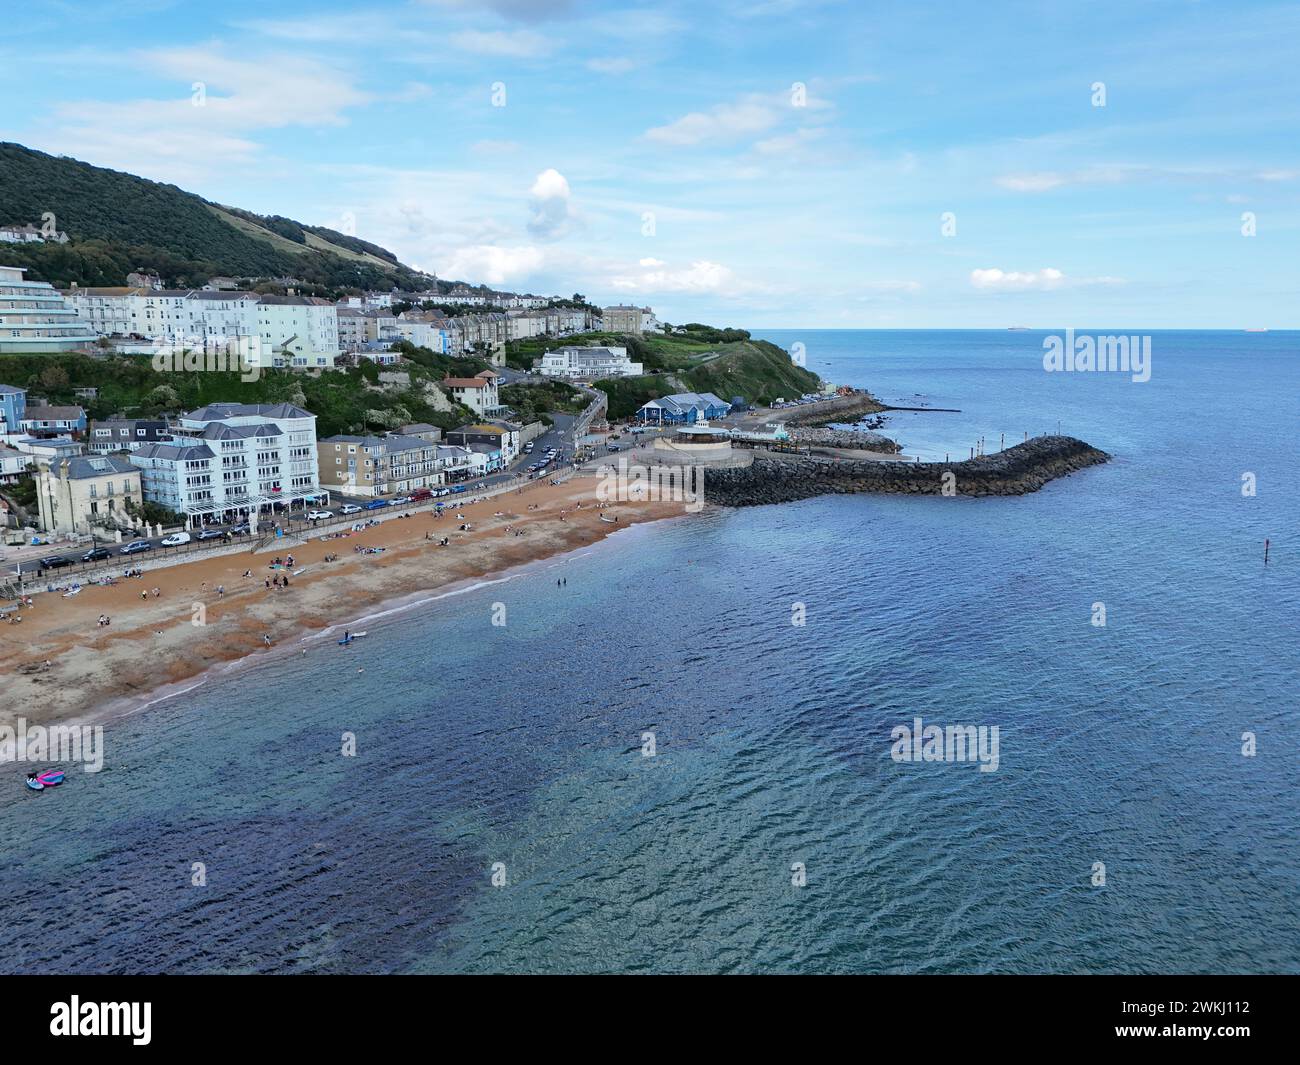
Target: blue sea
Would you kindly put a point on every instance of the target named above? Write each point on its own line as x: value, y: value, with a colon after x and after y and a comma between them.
x: 501, y: 814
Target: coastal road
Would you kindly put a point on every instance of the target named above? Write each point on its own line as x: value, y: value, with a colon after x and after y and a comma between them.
x: 558, y: 436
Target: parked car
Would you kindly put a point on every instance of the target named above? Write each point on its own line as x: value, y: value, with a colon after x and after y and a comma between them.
x: 319, y: 515
x: 241, y: 529
x: 175, y: 539
x: 401, y: 500
x: 458, y: 488
x: 136, y: 546
x: 209, y: 534
x: 349, y: 508
x: 55, y: 561
x: 612, y: 447
x: 376, y: 504
x: 421, y: 493
x: 97, y: 554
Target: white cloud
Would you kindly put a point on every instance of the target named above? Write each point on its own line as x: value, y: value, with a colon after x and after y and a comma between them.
x: 514, y: 44
x: 1054, y: 179
x: 493, y: 264
x: 612, y: 65
x: 552, y: 215
x: 523, y: 10
x: 1032, y: 182
x: 751, y: 115
x: 993, y: 279
x: 790, y: 143
x: 219, y: 101
x: 655, y: 276
x: 890, y: 288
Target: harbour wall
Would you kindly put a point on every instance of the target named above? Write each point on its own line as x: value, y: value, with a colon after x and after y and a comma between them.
x: 1018, y: 470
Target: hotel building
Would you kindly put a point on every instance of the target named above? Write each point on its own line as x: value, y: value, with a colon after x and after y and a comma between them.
x: 35, y: 318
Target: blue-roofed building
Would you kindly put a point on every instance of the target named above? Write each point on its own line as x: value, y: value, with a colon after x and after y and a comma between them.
x: 13, y: 409
x: 683, y: 408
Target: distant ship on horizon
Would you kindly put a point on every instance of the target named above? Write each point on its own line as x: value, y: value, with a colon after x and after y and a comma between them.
x: 1258, y: 329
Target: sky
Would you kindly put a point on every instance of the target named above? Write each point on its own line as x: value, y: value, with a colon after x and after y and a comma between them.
x: 752, y: 163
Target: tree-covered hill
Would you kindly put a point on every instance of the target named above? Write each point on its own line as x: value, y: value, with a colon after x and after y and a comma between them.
x: 117, y: 223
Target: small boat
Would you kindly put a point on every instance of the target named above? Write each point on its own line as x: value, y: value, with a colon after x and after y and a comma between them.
x: 612, y: 521
x: 350, y: 637
x: 50, y: 778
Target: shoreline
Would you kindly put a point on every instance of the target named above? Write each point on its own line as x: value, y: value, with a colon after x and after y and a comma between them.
x: 94, y: 676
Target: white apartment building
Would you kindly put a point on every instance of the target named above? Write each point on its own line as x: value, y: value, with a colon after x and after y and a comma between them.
x: 424, y: 331
x: 106, y: 310
x: 573, y: 362
x: 35, y: 317
x: 298, y: 331
x: 478, y: 393
x: 232, y: 459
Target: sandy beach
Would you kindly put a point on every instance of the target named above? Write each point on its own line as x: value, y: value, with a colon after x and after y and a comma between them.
x: 95, y: 671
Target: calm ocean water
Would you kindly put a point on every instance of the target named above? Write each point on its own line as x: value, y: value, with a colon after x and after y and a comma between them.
x: 522, y: 745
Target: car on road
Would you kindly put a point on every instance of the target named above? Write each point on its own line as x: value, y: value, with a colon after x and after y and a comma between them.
x: 401, y: 501
x: 209, y: 534
x: 97, y: 554
x: 175, y: 539
x: 376, y: 504
x: 135, y: 547
x: 55, y: 561
x: 612, y: 447
x: 349, y: 508
x: 242, y: 529
x: 319, y: 515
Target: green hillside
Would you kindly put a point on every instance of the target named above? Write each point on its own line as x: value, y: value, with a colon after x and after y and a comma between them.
x: 756, y: 370
x: 117, y: 223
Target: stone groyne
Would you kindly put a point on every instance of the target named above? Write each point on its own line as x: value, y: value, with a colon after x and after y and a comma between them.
x: 1016, y: 471
x: 837, y: 409
x: 853, y: 439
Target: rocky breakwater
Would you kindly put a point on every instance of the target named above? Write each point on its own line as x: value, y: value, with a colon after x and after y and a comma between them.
x: 1016, y: 471
x: 836, y: 409
x: 852, y: 439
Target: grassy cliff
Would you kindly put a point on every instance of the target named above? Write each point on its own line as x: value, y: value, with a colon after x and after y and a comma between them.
x: 756, y: 370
